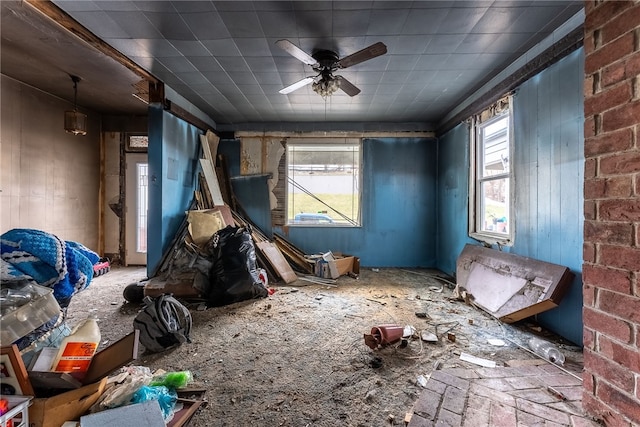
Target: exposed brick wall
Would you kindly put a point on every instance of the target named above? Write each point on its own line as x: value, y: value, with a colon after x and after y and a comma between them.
x: 611, y: 270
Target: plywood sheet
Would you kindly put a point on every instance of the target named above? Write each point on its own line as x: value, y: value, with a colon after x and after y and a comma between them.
x: 277, y: 260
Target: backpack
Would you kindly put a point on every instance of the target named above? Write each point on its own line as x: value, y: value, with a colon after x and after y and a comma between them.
x: 163, y: 323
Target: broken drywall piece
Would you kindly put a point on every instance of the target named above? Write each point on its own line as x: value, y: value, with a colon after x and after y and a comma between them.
x: 422, y: 381
x: 510, y: 287
x: 499, y: 295
x: 497, y: 342
x: 428, y: 337
x: 251, y: 156
x: 477, y: 360
x: 275, y: 151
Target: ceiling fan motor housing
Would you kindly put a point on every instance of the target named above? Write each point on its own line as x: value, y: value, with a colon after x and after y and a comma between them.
x: 327, y: 60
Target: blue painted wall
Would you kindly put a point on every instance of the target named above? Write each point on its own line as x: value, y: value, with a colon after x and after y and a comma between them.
x: 174, y: 152
x: 398, y: 207
x: 453, y: 197
x: 230, y: 148
x: 252, y: 194
x: 548, y: 164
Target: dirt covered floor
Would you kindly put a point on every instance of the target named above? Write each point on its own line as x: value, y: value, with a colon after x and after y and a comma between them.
x: 298, y: 357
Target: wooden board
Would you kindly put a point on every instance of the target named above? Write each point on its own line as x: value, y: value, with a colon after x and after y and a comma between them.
x: 212, y: 181
x: 113, y: 357
x: 293, y: 254
x: 209, y: 141
x: 277, y: 260
x: 184, y: 415
x: 180, y: 285
x: 511, y: 287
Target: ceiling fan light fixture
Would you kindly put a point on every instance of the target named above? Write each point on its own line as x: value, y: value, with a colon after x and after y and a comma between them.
x: 326, y: 86
x: 75, y: 122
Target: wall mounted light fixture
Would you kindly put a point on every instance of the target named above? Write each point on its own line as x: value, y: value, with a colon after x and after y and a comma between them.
x: 74, y: 121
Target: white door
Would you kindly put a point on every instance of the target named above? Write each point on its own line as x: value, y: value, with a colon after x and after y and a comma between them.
x: 136, y: 201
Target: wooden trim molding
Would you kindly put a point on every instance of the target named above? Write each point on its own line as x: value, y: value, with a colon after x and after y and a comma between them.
x: 571, y: 42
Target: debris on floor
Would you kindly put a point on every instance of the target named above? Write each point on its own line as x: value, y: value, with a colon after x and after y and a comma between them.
x: 331, y: 265
x: 477, y: 360
x: 383, y: 335
x: 307, y: 356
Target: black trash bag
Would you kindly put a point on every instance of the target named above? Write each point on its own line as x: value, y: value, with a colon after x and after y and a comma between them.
x: 234, y: 274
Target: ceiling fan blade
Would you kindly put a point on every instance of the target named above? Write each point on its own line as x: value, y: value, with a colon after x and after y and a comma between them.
x: 296, y: 52
x: 365, y: 54
x: 348, y: 87
x: 296, y: 85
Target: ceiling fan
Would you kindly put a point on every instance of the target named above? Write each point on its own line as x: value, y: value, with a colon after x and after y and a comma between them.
x: 325, y: 62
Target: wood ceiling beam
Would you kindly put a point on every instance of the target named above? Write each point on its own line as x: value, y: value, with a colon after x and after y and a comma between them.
x: 60, y: 17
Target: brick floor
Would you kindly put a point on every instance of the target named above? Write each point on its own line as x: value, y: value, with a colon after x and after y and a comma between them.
x: 522, y: 395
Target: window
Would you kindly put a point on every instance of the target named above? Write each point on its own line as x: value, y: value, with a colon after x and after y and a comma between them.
x: 137, y: 142
x: 492, y: 204
x: 142, y: 206
x: 323, y: 182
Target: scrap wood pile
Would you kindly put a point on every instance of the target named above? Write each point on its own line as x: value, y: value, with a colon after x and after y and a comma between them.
x: 188, y: 268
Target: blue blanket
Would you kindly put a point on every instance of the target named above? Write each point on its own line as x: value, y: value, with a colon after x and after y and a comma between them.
x: 64, y: 266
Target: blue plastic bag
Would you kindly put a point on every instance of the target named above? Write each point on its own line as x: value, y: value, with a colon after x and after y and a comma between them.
x: 166, y: 398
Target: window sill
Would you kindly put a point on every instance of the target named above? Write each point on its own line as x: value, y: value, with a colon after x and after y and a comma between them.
x: 492, y: 239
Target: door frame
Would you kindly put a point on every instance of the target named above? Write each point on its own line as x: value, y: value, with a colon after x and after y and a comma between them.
x: 132, y: 257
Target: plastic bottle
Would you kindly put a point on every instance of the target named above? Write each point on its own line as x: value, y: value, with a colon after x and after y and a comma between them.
x: 547, y: 350
x: 77, y: 349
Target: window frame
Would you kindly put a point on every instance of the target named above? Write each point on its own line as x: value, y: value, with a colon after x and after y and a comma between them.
x: 132, y: 149
x: 326, y: 142
x: 477, y: 180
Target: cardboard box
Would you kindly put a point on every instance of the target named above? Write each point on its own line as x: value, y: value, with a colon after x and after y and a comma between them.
x: 333, y: 265
x: 68, y: 406
x: 347, y: 264
x: 55, y: 411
